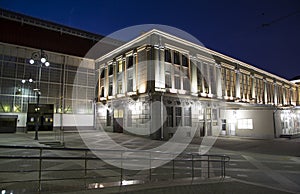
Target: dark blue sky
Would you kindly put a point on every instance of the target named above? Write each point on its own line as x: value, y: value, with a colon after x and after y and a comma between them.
x: 231, y: 27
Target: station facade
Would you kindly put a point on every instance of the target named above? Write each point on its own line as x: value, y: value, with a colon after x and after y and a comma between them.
x: 158, y: 85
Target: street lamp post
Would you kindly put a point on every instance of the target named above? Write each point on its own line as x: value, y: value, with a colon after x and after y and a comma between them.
x: 40, y: 58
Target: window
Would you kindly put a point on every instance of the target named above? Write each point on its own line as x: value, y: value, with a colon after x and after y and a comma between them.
x: 214, y: 114
x: 110, y: 90
x: 168, y: 81
x: 185, y: 61
x: 245, y: 124
x: 176, y: 58
x: 130, y: 85
x: 167, y: 55
x: 119, y: 87
x: 187, y: 116
x: 130, y: 62
x: 102, y: 73
x: 169, y: 122
x: 120, y: 66
x: 178, y: 115
x: 110, y: 70
x: 186, y: 84
x: 208, y: 113
x: 177, y: 82
x: 108, y: 118
x: 102, y: 92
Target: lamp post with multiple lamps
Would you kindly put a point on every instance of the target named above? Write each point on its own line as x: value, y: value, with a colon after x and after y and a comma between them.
x: 40, y: 58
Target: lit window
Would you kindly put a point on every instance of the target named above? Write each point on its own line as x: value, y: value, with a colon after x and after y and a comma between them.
x: 245, y: 124
x: 119, y: 87
x: 187, y: 116
x: 120, y: 66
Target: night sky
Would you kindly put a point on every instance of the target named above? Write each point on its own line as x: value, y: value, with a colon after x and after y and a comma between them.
x: 263, y: 33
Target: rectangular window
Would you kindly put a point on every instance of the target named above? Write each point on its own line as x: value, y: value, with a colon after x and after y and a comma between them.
x: 187, y: 116
x: 110, y: 90
x: 186, y: 84
x: 168, y: 81
x: 176, y: 58
x: 110, y: 70
x: 245, y: 124
x: 167, y: 55
x: 119, y: 87
x: 214, y: 114
x: 120, y: 66
x: 130, y: 85
x: 108, y: 118
x: 185, y: 61
x: 208, y: 113
x: 102, y: 75
x: 177, y: 82
x: 178, y: 115
x: 169, y: 121
x: 102, y: 92
x: 129, y: 62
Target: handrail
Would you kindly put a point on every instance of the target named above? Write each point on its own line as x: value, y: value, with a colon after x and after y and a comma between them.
x: 209, y: 164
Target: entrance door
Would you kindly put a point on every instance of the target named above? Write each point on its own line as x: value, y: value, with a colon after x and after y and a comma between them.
x: 118, y: 121
x: 202, y: 129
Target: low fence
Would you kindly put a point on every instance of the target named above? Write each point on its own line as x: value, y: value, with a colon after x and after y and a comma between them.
x: 45, y: 169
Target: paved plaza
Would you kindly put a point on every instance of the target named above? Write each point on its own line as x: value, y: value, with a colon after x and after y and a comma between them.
x: 260, y: 166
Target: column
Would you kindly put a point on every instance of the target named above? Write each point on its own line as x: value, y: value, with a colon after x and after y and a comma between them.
x: 275, y: 93
x: 134, y: 76
x: 219, y: 81
x: 265, y: 91
x: 237, y: 84
x: 157, y: 67
x: 193, y: 75
x: 253, y: 87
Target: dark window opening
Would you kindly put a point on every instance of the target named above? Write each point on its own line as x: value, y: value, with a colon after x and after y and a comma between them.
x: 176, y: 58
x: 110, y: 89
x: 130, y: 62
x: 178, y: 114
x: 111, y: 70
x: 102, y: 73
x: 167, y: 55
x: 169, y: 122
x: 185, y: 61
x: 108, y: 118
x: 102, y: 92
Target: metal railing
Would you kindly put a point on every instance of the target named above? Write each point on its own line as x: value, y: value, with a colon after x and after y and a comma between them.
x: 43, y: 169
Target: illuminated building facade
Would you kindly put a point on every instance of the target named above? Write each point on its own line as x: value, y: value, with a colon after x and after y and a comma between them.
x: 150, y: 86
x: 159, y: 83
x: 68, y: 84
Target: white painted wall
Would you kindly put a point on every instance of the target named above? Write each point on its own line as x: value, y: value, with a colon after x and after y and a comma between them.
x: 74, y: 120
x: 263, y: 126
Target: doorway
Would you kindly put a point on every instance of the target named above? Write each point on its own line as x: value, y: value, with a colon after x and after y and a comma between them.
x: 118, y: 121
